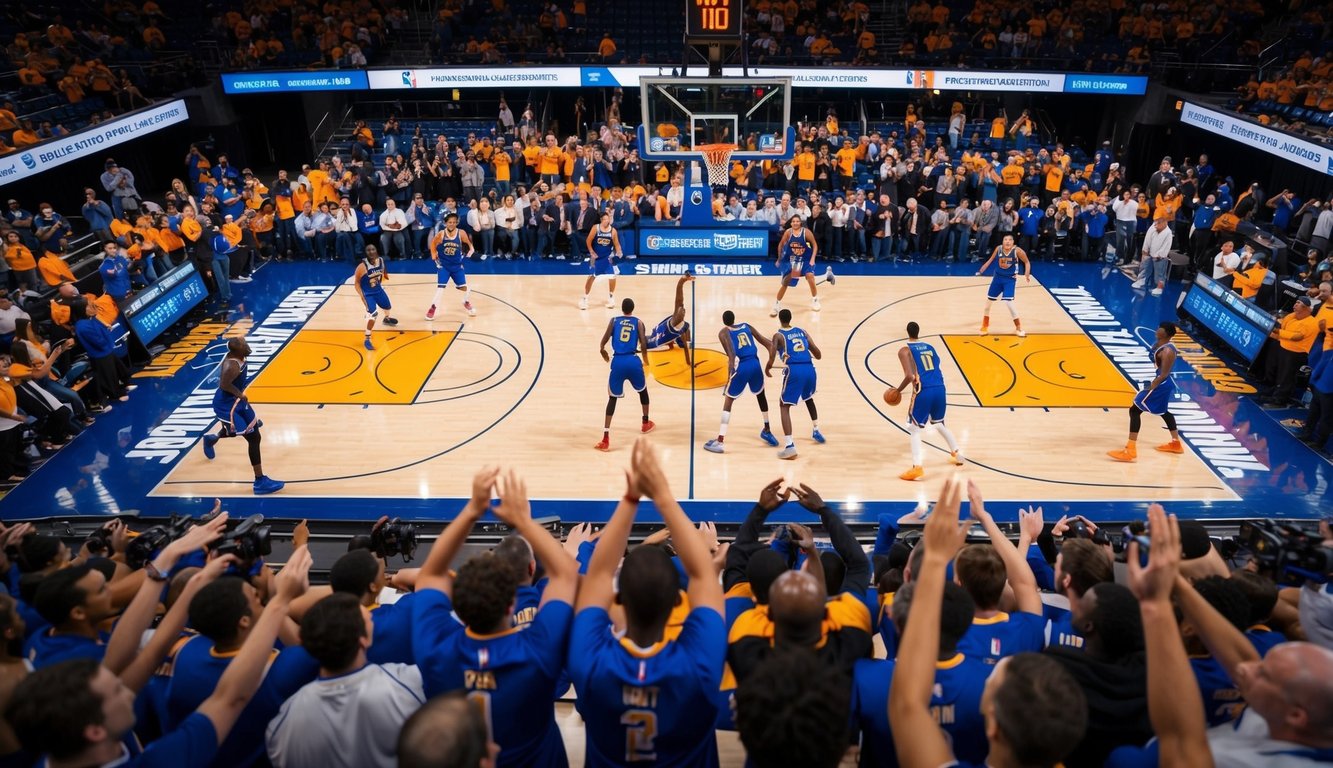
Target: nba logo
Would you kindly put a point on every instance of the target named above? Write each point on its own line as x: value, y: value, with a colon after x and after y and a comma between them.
x: 28, y: 160
x: 995, y: 646
x: 410, y: 78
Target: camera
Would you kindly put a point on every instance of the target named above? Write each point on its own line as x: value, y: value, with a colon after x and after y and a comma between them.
x: 394, y: 537
x: 99, y: 542
x: 248, y: 541
x: 1289, y: 553
x: 142, y: 547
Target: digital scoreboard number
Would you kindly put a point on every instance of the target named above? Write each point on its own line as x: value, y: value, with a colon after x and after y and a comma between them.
x: 713, y: 19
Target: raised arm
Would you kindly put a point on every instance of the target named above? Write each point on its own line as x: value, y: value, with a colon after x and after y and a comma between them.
x: 598, y: 586
x: 1227, y: 644
x: 747, y: 541
x: 704, y: 590
x: 857, y: 578
x: 1016, y: 569
x: 168, y: 630
x: 914, y: 674
x: 433, y: 573
x: 1175, y: 706
x: 562, y: 571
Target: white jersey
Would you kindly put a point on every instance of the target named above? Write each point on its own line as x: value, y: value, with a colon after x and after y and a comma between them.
x: 352, y: 720
x: 1246, y: 743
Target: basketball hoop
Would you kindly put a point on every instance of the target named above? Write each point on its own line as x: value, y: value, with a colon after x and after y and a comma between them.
x: 716, y: 157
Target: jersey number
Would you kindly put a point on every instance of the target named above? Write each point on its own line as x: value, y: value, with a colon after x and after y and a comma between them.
x: 927, y: 361
x: 797, y: 345
x: 743, y: 340
x: 626, y: 331
x: 482, y: 701
x: 640, y: 730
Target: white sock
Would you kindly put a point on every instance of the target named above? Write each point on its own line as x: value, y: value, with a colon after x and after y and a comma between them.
x: 915, y: 432
x: 814, y: 425
x: 611, y: 298
x: 790, y: 442
x: 726, y: 419
x: 985, y: 318
x: 439, y: 297
x: 1013, y: 311
x: 467, y: 294
x: 948, y: 437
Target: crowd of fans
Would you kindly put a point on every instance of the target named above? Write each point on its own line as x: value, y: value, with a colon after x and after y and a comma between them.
x: 190, y: 649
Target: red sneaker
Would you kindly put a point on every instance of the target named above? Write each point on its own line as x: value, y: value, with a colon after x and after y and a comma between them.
x: 430, y: 313
x: 605, y: 445
x: 648, y: 426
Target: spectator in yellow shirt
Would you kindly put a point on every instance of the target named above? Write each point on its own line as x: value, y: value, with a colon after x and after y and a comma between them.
x: 54, y: 269
x: 1248, y: 282
x: 1296, y: 334
x: 846, y: 158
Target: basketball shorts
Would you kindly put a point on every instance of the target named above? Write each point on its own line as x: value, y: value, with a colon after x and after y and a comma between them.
x: 450, y: 272
x: 1156, y: 401
x: 603, y: 267
x: 626, y: 368
x: 927, y: 406
x: 1002, y: 287
x: 798, y: 383
x: 377, y: 300
x: 748, y: 375
x: 798, y: 266
x: 240, y: 417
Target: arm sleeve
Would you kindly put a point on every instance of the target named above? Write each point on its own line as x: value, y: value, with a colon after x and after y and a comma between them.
x: 857, y: 580
x: 885, y: 536
x: 745, y: 544
x: 1042, y: 570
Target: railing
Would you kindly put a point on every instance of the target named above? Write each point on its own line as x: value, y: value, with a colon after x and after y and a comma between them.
x: 318, y: 144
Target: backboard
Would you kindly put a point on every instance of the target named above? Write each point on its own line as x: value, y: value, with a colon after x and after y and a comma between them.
x: 681, y: 114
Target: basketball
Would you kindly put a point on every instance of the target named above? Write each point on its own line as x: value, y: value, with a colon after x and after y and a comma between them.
x: 892, y: 396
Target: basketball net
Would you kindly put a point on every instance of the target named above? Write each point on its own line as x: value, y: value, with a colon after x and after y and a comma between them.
x: 717, y: 160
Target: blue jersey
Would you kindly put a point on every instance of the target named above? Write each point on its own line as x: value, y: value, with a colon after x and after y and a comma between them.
x: 50, y: 647
x: 510, y: 676
x: 1006, y: 262
x: 796, y: 346
x: 955, y: 704
x: 195, y: 674
x: 1003, y: 634
x: 374, y: 275
x: 1063, y: 634
x: 1264, y: 639
x: 625, y: 335
x: 602, y: 245
x: 797, y: 247
x: 1222, y: 701
x: 224, y: 399
x: 927, y: 364
x: 449, y: 250
x: 742, y: 342
x: 650, y: 706
x: 393, y: 632
x: 665, y: 333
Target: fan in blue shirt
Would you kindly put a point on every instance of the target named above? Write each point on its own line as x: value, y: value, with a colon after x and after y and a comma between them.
x: 509, y: 672
x: 1080, y: 566
x: 361, y: 573
x: 646, y: 700
x: 74, y: 601
x: 955, y: 700
x: 1222, y: 701
x: 1261, y: 594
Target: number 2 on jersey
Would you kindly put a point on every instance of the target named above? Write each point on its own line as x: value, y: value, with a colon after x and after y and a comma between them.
x: 797, y: 345
x: 640, y: 731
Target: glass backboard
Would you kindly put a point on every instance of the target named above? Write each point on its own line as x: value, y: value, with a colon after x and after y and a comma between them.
x: 682, y: 114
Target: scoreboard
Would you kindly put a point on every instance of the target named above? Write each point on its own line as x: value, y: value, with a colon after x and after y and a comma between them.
x: 713, y: 20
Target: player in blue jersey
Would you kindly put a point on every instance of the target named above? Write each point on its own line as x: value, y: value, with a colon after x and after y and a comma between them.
x: 509, y: 673
x: 796, y: 257
x: 628, y: 359
x: 369, y: 280
x: 674, y: 329
x: 1156, y: 399
x: 955, y: 699
x: 236, y: 416
x: 448, y: 248
x: 921, y: 369
x: 1007, y: 257
x: 604, y: 245
x: 741, y: 343
x: 646, y: 701
x: 798, y: 379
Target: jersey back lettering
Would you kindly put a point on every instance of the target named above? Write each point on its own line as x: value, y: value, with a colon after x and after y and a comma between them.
x: 927, y: 364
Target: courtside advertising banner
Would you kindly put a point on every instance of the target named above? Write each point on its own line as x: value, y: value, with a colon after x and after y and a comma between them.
x: 102, y: 137
x: 464, y: 77
x: 701, y: 243
x: 1277, y: 143
x: 283, y: 82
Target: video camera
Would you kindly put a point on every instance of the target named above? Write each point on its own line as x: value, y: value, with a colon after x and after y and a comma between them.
x: 1286, y: 551
x: 394, y: 537
x: 248, y: 541
x: 142, y: 547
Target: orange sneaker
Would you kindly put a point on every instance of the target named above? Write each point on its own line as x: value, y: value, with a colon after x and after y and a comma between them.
x: 605, y: 445
x: 1124, y: 454
x: 1172, y: 447
x: 647, y: 427
x: 956, y: 459
x: 914, y: 473
x: 985, y: 328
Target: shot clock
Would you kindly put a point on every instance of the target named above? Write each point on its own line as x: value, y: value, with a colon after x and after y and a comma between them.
x: 713, y: 20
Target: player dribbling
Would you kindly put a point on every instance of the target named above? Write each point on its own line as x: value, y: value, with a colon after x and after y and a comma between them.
x: 921, y: 369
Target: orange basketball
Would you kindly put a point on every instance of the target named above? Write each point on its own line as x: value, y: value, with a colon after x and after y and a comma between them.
x: 892, y: 396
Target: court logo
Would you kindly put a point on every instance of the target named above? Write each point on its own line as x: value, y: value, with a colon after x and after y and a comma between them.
x: 28, y: 160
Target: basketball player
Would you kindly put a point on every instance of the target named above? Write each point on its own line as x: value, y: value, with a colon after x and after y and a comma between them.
x: 797, y: 250
x: 1155, y: 399
x: 238, y: 419
x: 368, y: 279
x: 674, y: 329
x: 921, y: 369
x: 604, y: 245
x: 628, y: 359
x: 798, y: 380
x: 738, y: 341
x: 1006, y: 257
x: 446, y: 250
